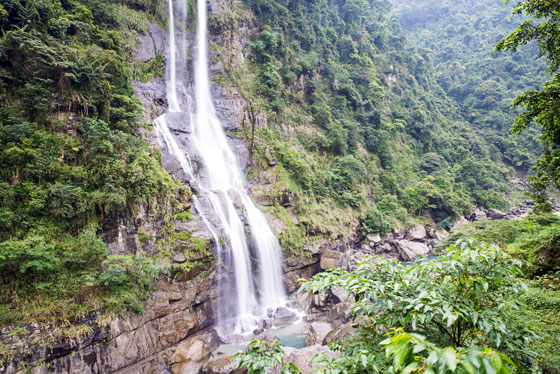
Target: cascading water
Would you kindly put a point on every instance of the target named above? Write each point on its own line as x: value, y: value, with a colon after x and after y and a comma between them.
x: 220, y: 183
x: 223, y: 179
x: 172, y: 86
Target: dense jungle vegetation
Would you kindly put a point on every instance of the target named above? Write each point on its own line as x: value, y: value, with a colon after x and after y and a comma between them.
x: 483, y: 80
x: 381, y: 132
x: 71, y: 156
x: 460, y: 38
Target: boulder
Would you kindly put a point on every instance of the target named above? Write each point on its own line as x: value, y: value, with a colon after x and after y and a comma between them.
x: 291, y: 280
x: 284, y: 316
x: 458, y: 222
x: 477, y: 215
x: 189, y: 356
x: 343, y: 331
x: 314, y: 317
x: 515, y: 212
x: 179, y: 258
x: 329, y: 259
x: 373, y: 239
x: 317, y: 333
x: 496, y: 214
x: 341, y: 293
x: 303, y: 358
x: 417, y: 232
x: 399, y: 234
x: 441, y: 235
x: 193, y: 350
x: 222, y: 365
x: 318, y: 300
x: 340, y: 313
x: 386, y: 250
x: 409, y: 251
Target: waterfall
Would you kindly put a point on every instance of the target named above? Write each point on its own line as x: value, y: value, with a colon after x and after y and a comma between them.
x: 220, y: 183
x: 225, y: 180
x: 172, y: 86
x: 162, y: 130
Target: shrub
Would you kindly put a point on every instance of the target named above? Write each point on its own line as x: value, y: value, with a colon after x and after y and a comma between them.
x: 466, y: 298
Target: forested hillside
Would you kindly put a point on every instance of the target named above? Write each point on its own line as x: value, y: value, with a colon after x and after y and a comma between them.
x: 366, y: 124
x: 71, y: 156
x: 460, y: 38
x: 366, y: 131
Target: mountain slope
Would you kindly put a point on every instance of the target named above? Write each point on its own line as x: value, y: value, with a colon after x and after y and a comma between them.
x: 460, y: 37
x: 358, y: 124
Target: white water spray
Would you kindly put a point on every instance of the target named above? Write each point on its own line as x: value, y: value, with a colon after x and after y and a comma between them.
x: 162, y: 129
x: 224, y: 175
x: 220, y: 182
x: 172, y: 86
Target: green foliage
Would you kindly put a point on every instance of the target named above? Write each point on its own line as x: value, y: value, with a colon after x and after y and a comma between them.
x: 535, y: 239
x: 455, y: 314
x: 438, y: 197
x: 411, y: 352
x: 30, y: 258
x: 127, y: 279
x: 262, y: 356
x: 144, y: 71
x: 70, y: 155
x: 539, y: 311
x: 540, y: 106
x: 375, y: 222
x: 363, y: 117
x: 466, y: 298
x: 183, y: 216
x: 460, y: 37
x: 142, y: 235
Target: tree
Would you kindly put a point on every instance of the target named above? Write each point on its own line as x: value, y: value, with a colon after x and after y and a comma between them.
x: 543, y: 27
x: 462, y: 299
x: 454, y: 314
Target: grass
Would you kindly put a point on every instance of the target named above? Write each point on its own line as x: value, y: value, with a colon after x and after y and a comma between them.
x: 540, y: 311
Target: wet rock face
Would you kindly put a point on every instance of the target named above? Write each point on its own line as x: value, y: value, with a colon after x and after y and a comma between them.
x: 302, y: 358
x: 168, y: 336
x: 152, y: 342
x: 152, y: 93
x: 283, y: 317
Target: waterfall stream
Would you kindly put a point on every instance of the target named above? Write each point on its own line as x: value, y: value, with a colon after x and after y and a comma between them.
x: 172, y: 86
x: 220, y: 183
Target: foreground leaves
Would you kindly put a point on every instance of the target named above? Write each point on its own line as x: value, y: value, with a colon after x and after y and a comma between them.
x: 464, y: 299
